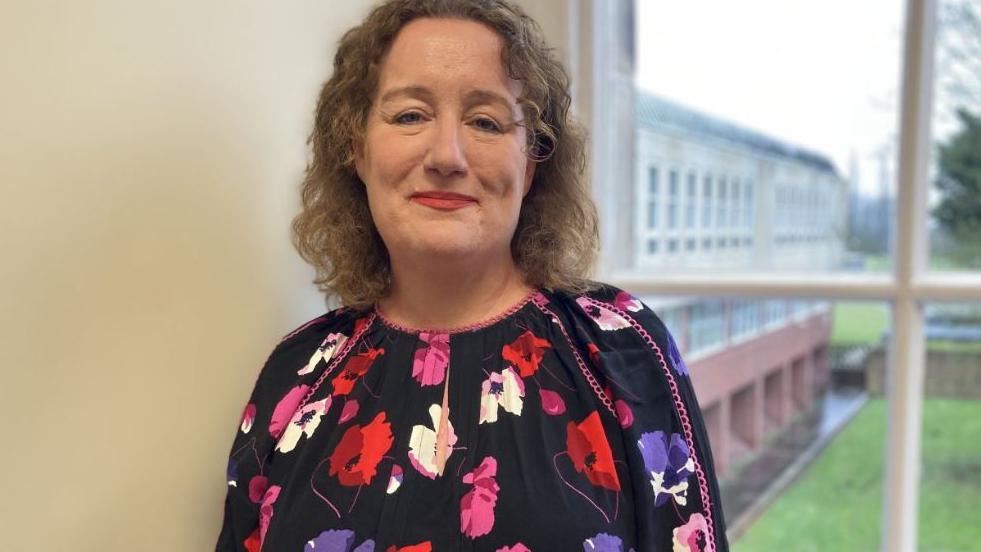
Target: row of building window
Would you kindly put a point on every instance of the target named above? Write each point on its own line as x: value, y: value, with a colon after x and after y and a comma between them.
x: 676, y: 245
x: 708, y: 327
x: 719, y: 201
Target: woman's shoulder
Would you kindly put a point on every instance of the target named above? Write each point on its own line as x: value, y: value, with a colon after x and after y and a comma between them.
x: 604, y: 300
x: 294, y: 349
x: 620, y: 320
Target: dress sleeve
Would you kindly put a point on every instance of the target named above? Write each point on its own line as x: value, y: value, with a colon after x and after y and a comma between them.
x: 288, y: 375
x: 676, y: 494
x: 247, y: 468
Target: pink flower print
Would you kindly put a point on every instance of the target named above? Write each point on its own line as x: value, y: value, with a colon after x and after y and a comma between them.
x: 624, y: 414
x: 257, y: 487
x: 627, y: 302
x: 429, y: 362
x: 248, y: 417
x: 394, y: 480
x: 266, y: 511
x: 284, y: 410
x: 552, y: 402
x: 330, y: 345
x: 692, y: 536
x: 517, y: 547
x: 349, y: 411
x: 605, y: 318
x: 503, y: 389
x: 477, y: 506
x: 303, y: 422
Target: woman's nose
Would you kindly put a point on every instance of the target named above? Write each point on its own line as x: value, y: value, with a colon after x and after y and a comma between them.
x: 446, y: 155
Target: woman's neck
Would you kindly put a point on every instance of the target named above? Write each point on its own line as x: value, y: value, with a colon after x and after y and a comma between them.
x: 446, y: 295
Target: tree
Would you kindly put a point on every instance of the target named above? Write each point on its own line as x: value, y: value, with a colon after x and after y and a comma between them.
x: 959, y: 182
x: 958, y: 69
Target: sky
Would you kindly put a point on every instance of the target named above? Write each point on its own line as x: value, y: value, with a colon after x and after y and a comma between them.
x: 819, y: 74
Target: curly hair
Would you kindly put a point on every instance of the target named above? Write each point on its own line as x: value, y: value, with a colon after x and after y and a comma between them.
x: 555, y: 243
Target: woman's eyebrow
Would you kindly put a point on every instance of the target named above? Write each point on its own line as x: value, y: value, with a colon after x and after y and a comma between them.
x: 484, y: 96
x: 473, y: 97
x: 411, y: 91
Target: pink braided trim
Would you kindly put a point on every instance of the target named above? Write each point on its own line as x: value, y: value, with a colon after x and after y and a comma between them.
x: 348, y: 347
x: 679, y: 404
x: 303, y: 327
x: 540, y: 302
x: 469, y: 327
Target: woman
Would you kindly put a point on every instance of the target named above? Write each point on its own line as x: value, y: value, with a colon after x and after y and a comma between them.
x: 476, y: 391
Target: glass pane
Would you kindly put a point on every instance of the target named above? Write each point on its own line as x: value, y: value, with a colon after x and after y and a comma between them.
x: 950, y: 475
x: 791, y: 392
x: 955, y: 198
x: 780, y: 139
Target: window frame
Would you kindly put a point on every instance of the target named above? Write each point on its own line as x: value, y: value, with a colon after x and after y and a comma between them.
x: 906, y: 288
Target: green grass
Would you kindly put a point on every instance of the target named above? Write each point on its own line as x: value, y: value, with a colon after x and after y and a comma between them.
x: 858, y: 323
x: 837, y: 503
x: 970, y: 347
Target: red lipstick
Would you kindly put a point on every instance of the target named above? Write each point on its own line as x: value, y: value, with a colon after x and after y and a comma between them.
x: 443, y: 200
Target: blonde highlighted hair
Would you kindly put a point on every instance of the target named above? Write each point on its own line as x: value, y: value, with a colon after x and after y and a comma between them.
x: 556, y: 240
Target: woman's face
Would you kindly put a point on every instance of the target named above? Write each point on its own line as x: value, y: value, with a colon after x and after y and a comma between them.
x: 443, y: 158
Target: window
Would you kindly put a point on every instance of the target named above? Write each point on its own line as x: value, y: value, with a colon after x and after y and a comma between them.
x: 748, y: 205
x: 856, y: 229
x: 722, y: 204
x: 673, y: 199
x: 652, y: 197
x: 707, y: 201
x: 692, y: 197
x: 706, y: 330
x: 652, y: 246
x: 736, y: 207
x: 745, y: 318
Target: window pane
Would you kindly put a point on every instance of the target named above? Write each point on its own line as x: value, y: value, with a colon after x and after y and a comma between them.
x: 791, y: 136
x: 791, y: 395
x: 950, y: 476
x: 956, y: 165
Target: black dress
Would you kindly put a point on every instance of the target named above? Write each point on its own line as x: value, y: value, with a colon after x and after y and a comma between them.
x: 573, y: 426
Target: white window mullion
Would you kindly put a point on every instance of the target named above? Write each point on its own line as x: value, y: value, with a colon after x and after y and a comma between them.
x: 907, y: 348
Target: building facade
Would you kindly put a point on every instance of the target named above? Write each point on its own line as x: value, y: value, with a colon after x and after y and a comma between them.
x: 714, y: 196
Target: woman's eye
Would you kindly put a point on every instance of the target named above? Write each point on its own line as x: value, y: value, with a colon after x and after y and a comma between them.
x: 489, y: 125
x: 408, y: 118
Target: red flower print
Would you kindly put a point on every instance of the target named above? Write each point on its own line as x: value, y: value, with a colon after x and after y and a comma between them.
x: 251, y: 543
x: 590, y: 452
x: 356, y: 457
x: 421, y: 547
x: 594, y: 352
x: 526, y: 353
x: 354, y: 369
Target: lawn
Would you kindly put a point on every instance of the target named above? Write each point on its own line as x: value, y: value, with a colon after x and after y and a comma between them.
x: 837, y: 503
x: 858, y: 323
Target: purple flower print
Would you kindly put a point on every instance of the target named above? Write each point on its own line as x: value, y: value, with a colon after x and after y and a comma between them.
x: 337, y: 540
x: 603, y: 542
x: 669, y: 463
x: 675, y: 355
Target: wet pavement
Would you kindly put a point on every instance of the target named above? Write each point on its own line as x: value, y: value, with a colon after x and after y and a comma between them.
x: 755, y: 482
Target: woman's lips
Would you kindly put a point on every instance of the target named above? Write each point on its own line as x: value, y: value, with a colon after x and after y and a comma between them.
x: 445, y: 203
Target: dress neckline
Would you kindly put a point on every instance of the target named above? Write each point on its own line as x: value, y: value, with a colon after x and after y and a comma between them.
x: 532, y: 295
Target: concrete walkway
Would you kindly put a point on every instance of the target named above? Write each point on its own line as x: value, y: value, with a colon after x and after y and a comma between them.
x: 755, y: 485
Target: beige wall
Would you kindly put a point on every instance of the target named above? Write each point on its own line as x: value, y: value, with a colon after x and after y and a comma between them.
x: 149, y: 155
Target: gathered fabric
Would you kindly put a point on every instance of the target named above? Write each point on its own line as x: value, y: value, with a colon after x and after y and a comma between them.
x: 572, y: 425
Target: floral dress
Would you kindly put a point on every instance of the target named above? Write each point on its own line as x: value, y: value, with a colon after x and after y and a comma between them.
x: 572, y: 426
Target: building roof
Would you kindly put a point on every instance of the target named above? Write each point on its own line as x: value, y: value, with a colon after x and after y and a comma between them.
x: 656, y: 112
